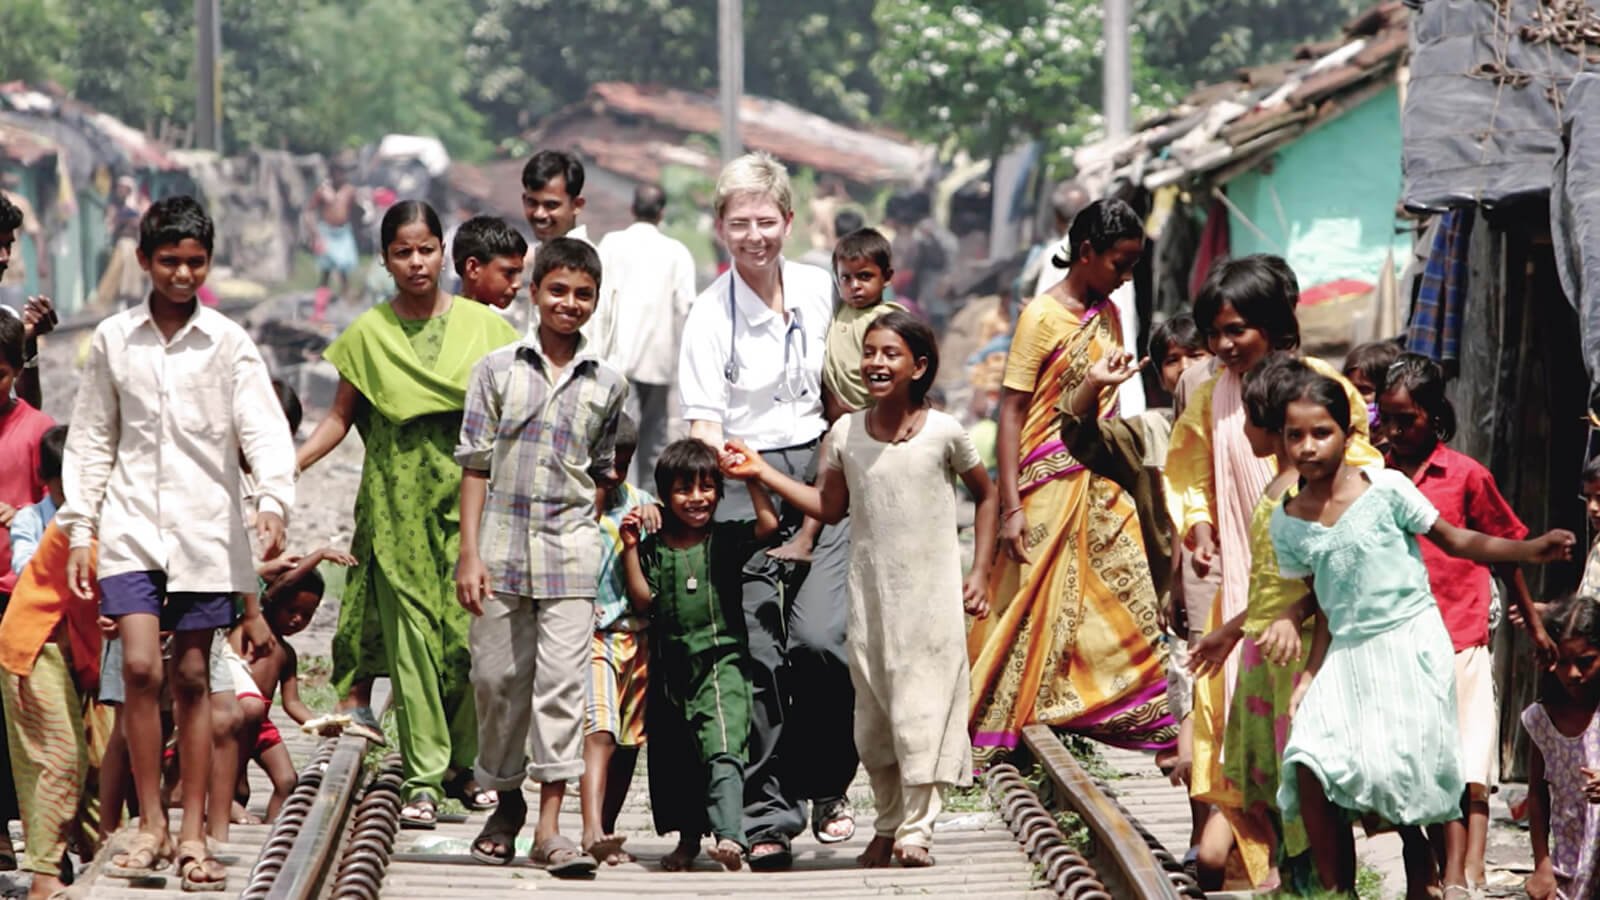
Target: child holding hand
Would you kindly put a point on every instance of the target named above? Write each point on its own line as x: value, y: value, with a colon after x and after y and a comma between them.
x: 687, y: 578
x: 1352, y: 531
x: 890, y: 468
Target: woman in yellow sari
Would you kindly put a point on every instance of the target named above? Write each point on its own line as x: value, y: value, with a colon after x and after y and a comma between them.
x: 1072, y: 638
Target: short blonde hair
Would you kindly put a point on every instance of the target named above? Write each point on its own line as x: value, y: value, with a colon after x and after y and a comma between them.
x: 755, y: 174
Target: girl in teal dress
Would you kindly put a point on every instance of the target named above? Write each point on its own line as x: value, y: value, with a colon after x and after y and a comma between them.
x: 1374, y: 720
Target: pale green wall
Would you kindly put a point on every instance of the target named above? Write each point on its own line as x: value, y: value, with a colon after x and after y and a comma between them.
x: 1337, y: 188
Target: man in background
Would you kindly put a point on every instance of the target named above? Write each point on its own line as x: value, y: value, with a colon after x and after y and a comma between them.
x: 650, y: 280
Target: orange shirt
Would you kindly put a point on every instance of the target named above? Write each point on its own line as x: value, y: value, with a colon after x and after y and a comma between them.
x: 40, y: 602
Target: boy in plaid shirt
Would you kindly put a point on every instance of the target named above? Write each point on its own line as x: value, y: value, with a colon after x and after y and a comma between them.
x: 539, y: 428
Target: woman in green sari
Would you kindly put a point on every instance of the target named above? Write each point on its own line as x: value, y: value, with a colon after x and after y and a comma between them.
x: 403, y: 369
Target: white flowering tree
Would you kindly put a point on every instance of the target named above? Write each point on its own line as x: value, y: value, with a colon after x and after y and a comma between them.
x: 981, y: 77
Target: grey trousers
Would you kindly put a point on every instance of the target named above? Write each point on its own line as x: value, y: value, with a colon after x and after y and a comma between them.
x: 650, y: 405
x: 802, y: 741
x: 530, y: 666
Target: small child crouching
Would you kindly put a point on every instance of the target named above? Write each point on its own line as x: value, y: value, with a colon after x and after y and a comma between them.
x: 687, y: 577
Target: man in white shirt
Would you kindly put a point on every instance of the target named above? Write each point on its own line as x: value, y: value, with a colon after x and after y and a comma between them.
x: 650, y: 278
x: 552, y: 198
x: 1067, y: 201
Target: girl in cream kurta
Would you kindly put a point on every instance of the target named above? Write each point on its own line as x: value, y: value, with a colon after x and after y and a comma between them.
x: 893, y: 466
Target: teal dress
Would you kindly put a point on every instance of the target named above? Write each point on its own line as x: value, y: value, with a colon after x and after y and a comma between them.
x: 1378, y: 725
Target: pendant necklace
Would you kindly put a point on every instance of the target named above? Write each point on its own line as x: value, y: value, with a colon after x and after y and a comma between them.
x: 691, y: 584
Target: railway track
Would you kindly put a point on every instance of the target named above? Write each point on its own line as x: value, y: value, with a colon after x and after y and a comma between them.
x: 338, y: 837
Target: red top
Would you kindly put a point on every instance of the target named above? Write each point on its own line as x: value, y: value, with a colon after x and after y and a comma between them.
x: 43, y: 609
x: 21, y: 427
x: 1466, y: 496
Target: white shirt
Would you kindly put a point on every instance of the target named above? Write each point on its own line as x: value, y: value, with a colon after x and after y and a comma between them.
x: 152, y: 458
x: 1130, y: 396
x: 774, y: 399
x: 650, y: 280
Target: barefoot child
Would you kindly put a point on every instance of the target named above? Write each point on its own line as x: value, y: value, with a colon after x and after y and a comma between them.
x: 1417, y: 421
x: 539, y: 429
x: 890, y: 469
x: 1564, y: 757
x: 489, y: 256
x: 862, y: 269
x: 687, y: 577
x: 1352, y: 532
x: 292, y: 590
x: 618, y: 663
x: 172, y: 393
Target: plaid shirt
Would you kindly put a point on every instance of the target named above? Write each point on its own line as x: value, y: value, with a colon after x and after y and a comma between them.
x: 1435, y: 329
x: 542, y: 443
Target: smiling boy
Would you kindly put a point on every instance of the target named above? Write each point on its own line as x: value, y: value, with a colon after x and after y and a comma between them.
x: 539, y: 428
x: 173, y: 395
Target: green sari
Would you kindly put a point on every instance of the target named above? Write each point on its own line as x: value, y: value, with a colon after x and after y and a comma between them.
x: 399, y: 614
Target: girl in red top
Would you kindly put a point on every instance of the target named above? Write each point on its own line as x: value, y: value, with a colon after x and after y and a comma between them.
x: 1417, y: 420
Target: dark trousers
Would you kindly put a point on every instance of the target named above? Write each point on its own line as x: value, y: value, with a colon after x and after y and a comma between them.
x: 802, y: 744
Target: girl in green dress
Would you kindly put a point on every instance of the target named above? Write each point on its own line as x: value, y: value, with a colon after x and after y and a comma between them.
x: 403, y: 369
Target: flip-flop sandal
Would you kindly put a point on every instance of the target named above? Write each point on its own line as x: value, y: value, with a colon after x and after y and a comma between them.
x: 828, y: 812
x: 364, y: 724
x: 772, y: 860
x: 473, y: 797
x: 195, y: 856
x: 606, y: 848
x: 500, y: 837
x: 421, y: 814
x: 562, y: 858
x: 141, y: 845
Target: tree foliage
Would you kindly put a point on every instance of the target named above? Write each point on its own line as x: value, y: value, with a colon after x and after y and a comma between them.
x: 1198, y: 41
x: 983, y: 77
x: 531, y: 57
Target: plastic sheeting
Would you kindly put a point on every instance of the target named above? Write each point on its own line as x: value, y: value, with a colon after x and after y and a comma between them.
x: 1575, y: 217
x: 1482, y: 121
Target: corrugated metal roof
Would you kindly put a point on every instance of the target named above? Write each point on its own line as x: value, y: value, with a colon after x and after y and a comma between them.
x: 1219, y: 126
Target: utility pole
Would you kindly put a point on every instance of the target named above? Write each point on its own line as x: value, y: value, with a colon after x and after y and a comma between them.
x: 1118, y: 70
x: 208, y: 75
x: 730, y: 66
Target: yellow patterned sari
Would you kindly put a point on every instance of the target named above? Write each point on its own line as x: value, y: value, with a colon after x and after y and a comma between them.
x: 1071, y: 639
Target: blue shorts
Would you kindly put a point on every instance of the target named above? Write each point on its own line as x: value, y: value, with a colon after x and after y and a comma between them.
x: 146, y: 592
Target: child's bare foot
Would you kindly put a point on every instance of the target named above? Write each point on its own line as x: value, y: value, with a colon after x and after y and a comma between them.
x: 797, y: 550
x: 241, y: 816
x: 728, y: 853
x: 913, y: 857
x: 45, y: 887
x: 604, y: 847
x: 878, y: 855
x: 682, y: 856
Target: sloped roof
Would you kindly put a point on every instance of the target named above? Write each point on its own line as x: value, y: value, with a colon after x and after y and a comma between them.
x: 786, y: 131
x: 45, y: 112
x: 1222, y: 128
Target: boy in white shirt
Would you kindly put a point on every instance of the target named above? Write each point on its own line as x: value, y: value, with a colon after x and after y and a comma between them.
x: 173, y: 393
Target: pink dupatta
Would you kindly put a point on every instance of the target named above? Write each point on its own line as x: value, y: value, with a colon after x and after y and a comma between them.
x: 1240, y: 478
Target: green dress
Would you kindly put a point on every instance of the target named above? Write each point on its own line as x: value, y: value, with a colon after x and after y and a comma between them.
x: 399, y: 614
x: 698, y: 714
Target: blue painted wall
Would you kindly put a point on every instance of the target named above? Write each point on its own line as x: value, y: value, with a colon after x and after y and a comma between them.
x: 1337, y: 188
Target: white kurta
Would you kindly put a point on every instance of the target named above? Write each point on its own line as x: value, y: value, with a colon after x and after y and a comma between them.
x: 907, y: 632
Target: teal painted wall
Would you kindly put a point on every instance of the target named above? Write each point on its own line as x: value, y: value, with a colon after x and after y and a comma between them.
x: 1328, y: 205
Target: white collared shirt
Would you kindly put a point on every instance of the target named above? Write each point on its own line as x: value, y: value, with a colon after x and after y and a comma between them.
x: 774, y: 399
x: 649, y: 278
x: 152, y: 458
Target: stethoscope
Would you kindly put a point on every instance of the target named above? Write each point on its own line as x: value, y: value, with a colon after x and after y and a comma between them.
x: 732, y: 369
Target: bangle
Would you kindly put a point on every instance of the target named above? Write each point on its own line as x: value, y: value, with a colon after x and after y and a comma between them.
x: 1010, y: 512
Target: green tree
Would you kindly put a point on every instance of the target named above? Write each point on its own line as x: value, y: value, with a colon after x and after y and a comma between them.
x: 531, y: 57
x: 35, y: 31
x: 134, y: 60
x: 982, y: 78
x: 384, y: 66
x: 1197, y: 41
